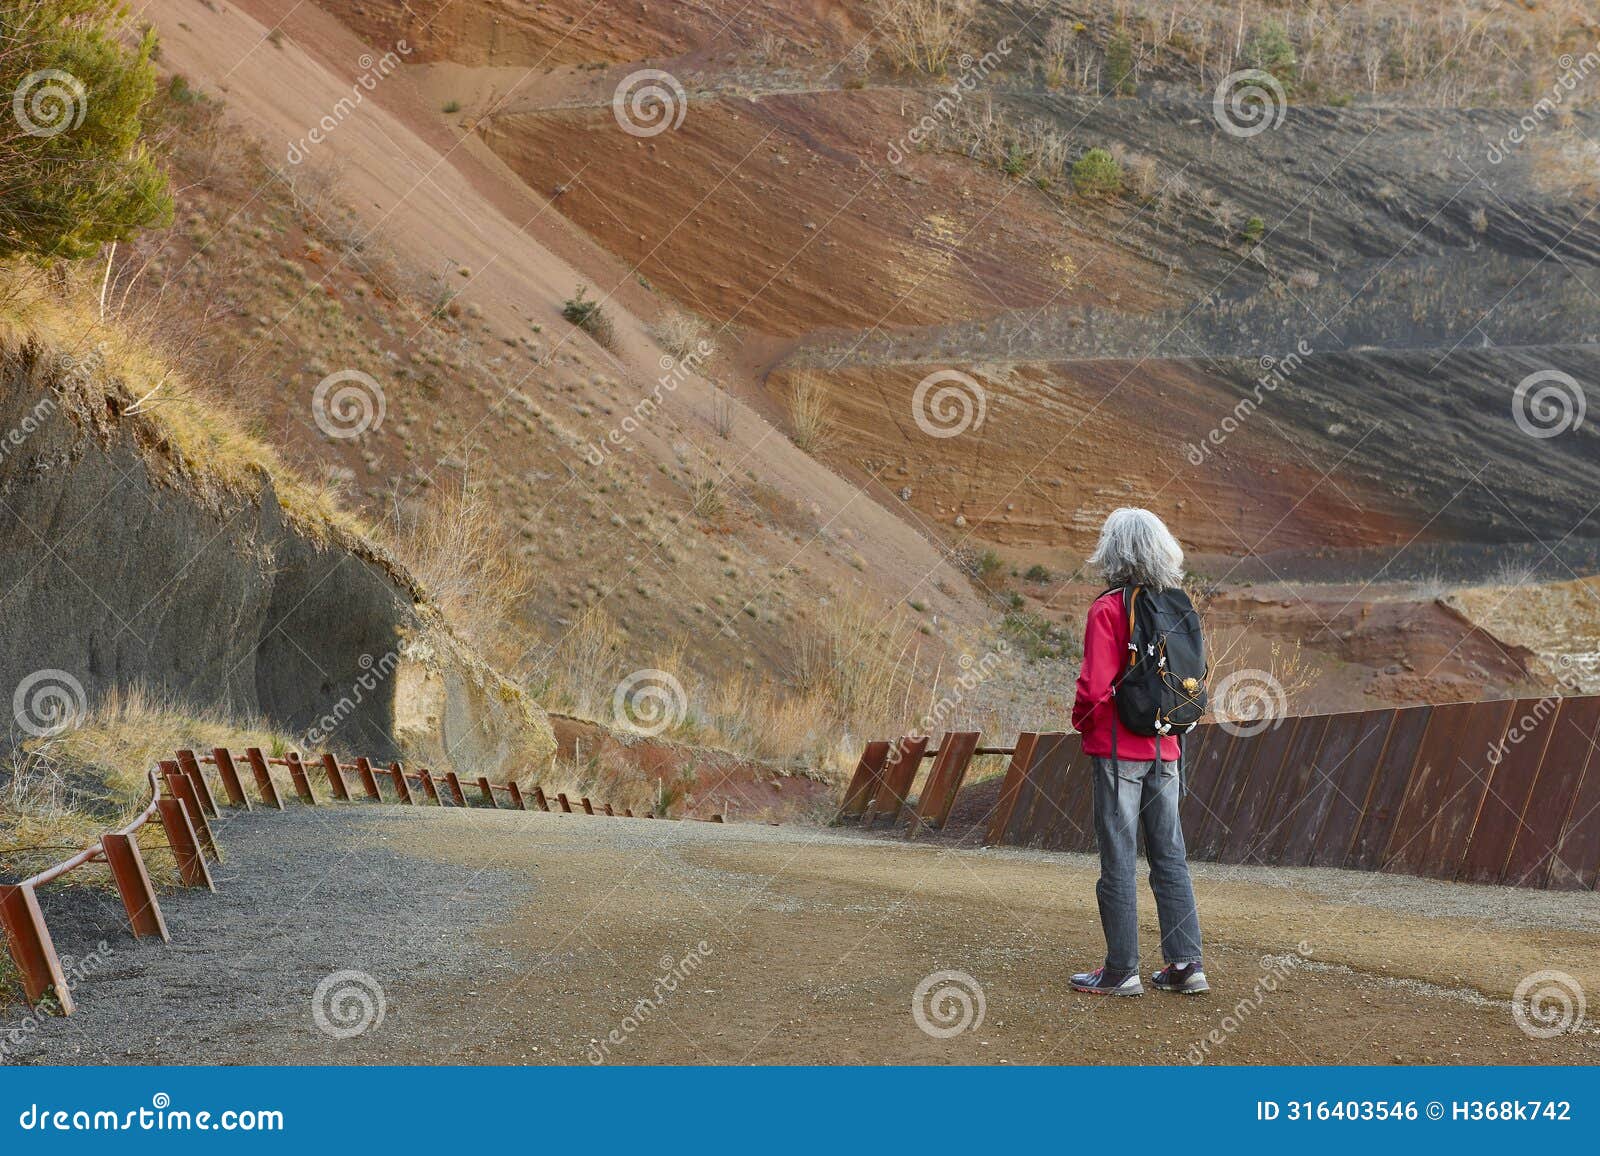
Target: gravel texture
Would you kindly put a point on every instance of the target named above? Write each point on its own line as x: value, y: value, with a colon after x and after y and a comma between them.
x: 508, y: 937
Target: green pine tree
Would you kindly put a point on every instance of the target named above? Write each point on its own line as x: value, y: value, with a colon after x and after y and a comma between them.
x: 1119, y: 65
x: 74, y: 172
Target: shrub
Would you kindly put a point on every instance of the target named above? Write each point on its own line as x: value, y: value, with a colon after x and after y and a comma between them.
x: 1120, y: 65
x: 451, y: 106
x: 589, y: 316
x: 1270, y: 50
x: 681, y: 334
x: 1097, y: 174
x: 1254, y: 229
x: 1037, y: 573
x: 76, y: 174
x: 921, y: 34
x: 810, y: 413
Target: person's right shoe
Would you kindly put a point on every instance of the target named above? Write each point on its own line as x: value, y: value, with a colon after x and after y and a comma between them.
x: 1101, y: 982
x: 1186, y: 979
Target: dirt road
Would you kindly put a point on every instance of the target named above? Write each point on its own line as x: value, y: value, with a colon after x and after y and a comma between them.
x: 514, y: 938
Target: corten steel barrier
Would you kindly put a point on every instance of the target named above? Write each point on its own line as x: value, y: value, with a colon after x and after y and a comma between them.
x: 181, y: 799
x: 1504, y: 792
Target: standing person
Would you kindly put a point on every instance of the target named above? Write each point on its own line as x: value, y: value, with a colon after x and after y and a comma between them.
x: 1136, y: 776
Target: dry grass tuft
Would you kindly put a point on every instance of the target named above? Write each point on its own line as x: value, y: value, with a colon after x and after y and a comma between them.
x: 811, y: 414
x: 681, y: 334
x: 459, y: 549
x: 60, y: 793
x: 184, y: 428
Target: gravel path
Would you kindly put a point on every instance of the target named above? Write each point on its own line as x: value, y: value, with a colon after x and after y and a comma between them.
x: 508, y: 937
x: 300, y: 896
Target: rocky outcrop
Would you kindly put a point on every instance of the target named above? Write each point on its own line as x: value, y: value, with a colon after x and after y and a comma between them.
x: 124, y: 563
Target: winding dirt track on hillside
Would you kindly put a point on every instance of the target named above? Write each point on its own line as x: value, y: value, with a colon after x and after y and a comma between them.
x: 518, y: 938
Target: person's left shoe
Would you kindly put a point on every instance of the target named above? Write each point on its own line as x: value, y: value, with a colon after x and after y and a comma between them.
x: 1186, y: 979
x: 1102, y: 982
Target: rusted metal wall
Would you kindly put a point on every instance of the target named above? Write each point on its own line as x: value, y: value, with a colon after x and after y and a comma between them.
x: 1490, y: 792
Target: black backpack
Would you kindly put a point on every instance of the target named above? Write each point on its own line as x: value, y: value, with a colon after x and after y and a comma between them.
x: 1162, y: 690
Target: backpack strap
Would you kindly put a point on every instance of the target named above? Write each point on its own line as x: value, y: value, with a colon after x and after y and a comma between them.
x: 1130, y: 594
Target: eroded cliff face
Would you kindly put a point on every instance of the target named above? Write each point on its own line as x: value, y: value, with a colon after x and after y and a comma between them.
x: 124, y: 563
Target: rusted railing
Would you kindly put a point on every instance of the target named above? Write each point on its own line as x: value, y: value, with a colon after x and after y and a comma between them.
x: 182, y: 799
x: 1504, y: 792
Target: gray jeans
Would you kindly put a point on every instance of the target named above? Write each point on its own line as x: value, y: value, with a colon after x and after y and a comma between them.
x: 1146, y: 797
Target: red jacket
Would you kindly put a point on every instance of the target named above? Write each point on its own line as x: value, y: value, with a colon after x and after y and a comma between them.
x: 1105, y: 655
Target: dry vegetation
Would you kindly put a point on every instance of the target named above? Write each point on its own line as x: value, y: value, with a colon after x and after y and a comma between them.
x: 103, y: 345
x: 1469, y: 52
x: 681, y: 334
x: 922, y: 34
x: 455, y: 546
x: 857, y: 673
x: 1465, y: 53
x: 812, y: 417
x: 59, y: 793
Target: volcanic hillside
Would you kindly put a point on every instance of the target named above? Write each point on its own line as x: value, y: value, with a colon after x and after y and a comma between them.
x: 1294, y: 320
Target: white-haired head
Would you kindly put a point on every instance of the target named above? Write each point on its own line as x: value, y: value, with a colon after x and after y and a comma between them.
x: 1137, y: 549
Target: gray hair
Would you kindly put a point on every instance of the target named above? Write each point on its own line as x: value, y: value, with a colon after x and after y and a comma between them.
x: 1137, y: 549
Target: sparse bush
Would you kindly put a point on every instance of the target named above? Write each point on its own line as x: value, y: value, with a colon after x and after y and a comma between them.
x: 457, y: 547
x: 811, y: 414
x: 1120, y: 65
x: 76, y: 171
x: 722, y: 414
x: 1039, y: 638
x: 1097, y: 174
x: 921, y: 34
x: 705, y: 491
x: 1037, y: 573
x: 589, y: 316
x: 1060, y: 40
x: 1270, y: 50
x: 451, y: 107
x: 681, y: 334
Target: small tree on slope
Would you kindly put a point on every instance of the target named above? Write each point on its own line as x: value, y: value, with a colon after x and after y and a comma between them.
x: 73, y: 171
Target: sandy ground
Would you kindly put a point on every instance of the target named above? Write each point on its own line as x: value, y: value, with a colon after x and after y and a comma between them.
x: 515, y: 938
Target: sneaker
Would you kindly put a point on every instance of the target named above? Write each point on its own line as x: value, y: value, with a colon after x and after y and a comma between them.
x: 1100, y: 982
x: 1186, y: 978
